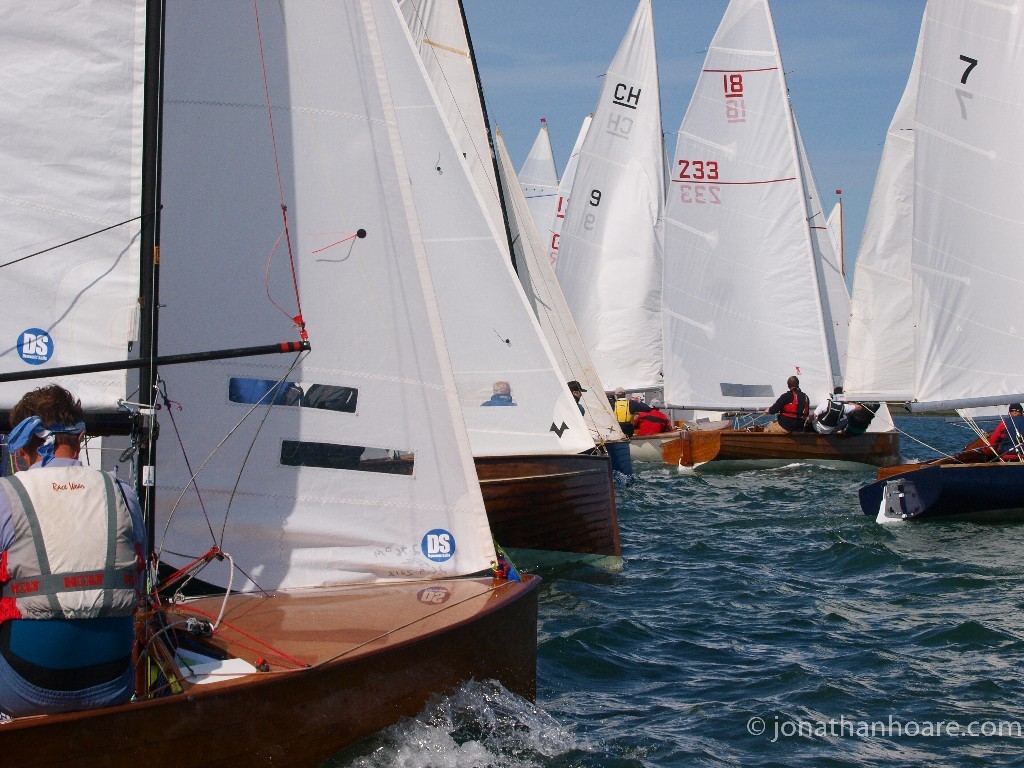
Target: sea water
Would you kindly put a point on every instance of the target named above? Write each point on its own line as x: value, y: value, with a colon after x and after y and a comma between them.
x: 758, y: 619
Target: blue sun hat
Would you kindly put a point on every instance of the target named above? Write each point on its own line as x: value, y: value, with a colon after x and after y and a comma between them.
x: 33, y: 426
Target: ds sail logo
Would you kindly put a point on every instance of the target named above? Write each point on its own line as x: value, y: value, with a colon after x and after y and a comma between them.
x: 35, y: 346
x: 438, y: 545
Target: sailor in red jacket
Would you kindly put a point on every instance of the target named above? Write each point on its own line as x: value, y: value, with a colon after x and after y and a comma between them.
x: 651, y: 422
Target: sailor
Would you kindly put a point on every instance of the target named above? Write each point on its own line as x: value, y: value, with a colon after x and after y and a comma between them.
x: 859, y: 418
x: 577, y: 391
x: 502, y: 394
x: 71, y: 543
x: 1008, y: 435
x: 626, y: 408
x: 831, y: 414
x: 792, y: 407
x: 652, y: 422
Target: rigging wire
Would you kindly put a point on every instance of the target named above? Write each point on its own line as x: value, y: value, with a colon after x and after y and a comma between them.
x: 77, y: 239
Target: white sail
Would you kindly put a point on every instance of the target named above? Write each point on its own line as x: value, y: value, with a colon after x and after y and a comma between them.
x: 439, y: 32
x: 834, y: 295
x: 491, y: 331
x: 71, y: 191
x: 539, y: 179
x: 880, y: 359
x: 609, y: 255
x: 302, y: 505
x: 564, y: 192
x: 560, y: 330
x: 742, y: 300
x: 968, y: 223
x: 834, y: 224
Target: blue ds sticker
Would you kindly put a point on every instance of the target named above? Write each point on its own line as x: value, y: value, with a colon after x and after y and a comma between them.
x: 35, y: 346
x: 438, y: 545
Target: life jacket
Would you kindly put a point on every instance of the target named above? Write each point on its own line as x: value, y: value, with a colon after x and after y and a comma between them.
x: 1013, y: 436
x: 652, y: 422
x: 622, y: 413
x: 73, y: 555
x: 832, y: 415
x: 798, y: 407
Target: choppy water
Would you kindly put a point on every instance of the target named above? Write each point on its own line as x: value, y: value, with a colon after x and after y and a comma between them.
x: 759, y: 600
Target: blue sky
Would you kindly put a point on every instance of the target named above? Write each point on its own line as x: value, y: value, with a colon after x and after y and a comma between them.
x: 846, y: 65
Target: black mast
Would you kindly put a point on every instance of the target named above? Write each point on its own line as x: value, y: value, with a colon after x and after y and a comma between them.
x: 149, y: 272
x: 490, y: 138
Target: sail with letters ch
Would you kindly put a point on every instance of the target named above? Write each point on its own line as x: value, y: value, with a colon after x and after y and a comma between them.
x: 609, y: 249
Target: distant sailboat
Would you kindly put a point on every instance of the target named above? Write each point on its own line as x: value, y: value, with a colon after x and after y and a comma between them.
x: 539, y: 179
x: 753, y: 291
x: 343, y: 526
x: 564, y: 192
x: 553, y: 313
x: 965, y: 275
x: 609, y: 249
x: 543, y: 489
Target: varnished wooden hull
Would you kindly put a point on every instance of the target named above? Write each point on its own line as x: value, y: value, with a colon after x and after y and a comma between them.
x: 376, y: 653
x: 732, y: 448
x: 556, y: 504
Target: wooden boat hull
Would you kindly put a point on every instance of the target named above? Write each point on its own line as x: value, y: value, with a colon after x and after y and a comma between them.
x: 729, y: 449
x: 377, y: 654
x: 551, y: 504
x: 991, y: 491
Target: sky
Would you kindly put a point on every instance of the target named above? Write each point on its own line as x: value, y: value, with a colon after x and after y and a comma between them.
x: 846, y: 63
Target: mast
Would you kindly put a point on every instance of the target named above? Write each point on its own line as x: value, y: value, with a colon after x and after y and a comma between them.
x: 490, y: 137
x: 150, y: 256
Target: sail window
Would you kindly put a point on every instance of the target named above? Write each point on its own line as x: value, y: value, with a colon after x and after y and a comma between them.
x: 271, y: 391
x: 746, y: 390
x: 296, y: 453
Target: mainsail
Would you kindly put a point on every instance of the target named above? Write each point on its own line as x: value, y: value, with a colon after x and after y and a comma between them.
x: 362, y: 470
x: 70, y: 194
x: 967, y: 222
x: 609, y: 251
x: 745, y: 292
x: 539, y: 179
x: 564, y: 192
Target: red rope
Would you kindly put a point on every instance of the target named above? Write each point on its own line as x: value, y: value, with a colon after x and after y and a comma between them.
x: 280, y: 184
x: 266, y: 646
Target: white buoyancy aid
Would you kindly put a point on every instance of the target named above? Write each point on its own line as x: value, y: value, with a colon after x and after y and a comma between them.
x: 73, y: 554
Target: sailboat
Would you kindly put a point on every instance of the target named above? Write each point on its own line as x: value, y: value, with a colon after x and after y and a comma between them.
x: 328, y: 497
x: 544, y: 488
x: 564, y: 192
x: 539, y: 179
x: 541, y: 286
x: 963, y: 262
x: 753, y: 292
x: 609, y: 248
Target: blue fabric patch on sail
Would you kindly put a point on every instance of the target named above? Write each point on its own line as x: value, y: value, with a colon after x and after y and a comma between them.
x: 747, y: 390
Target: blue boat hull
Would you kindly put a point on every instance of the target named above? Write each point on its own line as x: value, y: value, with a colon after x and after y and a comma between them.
x: 991, y: 491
